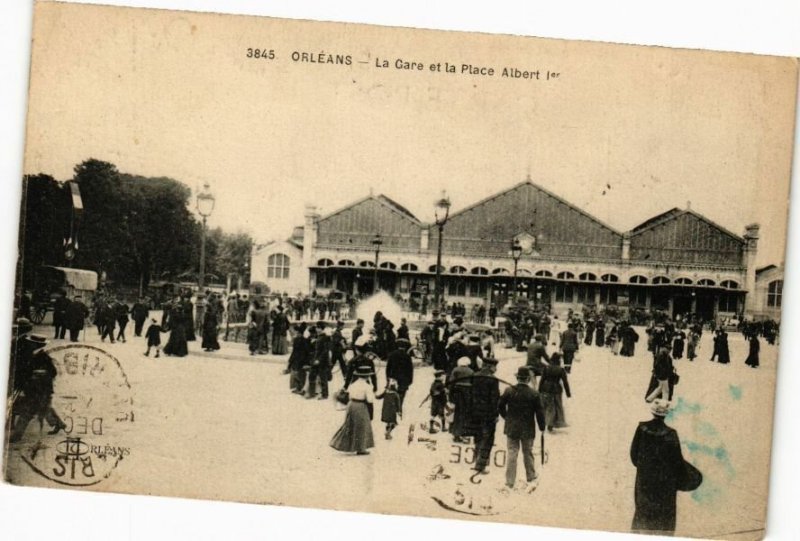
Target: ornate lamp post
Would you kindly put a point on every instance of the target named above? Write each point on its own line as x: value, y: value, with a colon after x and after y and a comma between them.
x: 205, y: 206
x: 377, y: 242
x: 442, y: 213
x: 516, y: 253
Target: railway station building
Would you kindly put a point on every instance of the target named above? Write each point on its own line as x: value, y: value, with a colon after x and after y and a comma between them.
x: 678, y: 261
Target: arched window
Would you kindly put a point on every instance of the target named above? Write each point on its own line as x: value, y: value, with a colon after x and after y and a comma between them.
x: 544, y: 274
x: 388, y: 265
x: 683, y: 281
x: 774, y: 293
x: 638, y: 279
x: 565, y: 276
x: 408, y: 267
x: 587, y: 277
x: 523, y: 272
x: 278, y: 266
x: 660, y: 280
x: 500, y: 271
x: 368, y: 264
x: 706, y: 282
x: 432, y: 268
x: 458, y: 270
x: 610, y: 278
x: 480, y: 271
x: 346, y: 263
x: 730, y: 284
x: 325, y: 263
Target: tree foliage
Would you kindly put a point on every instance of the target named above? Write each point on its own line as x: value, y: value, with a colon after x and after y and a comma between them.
x: 135, y: 229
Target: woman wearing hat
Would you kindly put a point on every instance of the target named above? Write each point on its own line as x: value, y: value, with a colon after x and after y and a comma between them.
x: 460, y: 389
x: 355, y: 435
x: 362, y: 359
x: 551, y: 389
x: 660, y: 472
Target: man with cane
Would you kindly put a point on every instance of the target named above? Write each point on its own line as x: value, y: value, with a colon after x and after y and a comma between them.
x: 522, y: 409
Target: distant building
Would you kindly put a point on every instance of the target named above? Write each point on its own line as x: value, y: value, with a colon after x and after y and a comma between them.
x: 768, y: 293
x: 678, y: 261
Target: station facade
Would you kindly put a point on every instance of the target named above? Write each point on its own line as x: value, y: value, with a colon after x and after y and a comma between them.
x: 679, y: 261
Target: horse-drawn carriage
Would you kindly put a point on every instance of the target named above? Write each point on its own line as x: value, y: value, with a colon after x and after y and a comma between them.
x: 52, y: 281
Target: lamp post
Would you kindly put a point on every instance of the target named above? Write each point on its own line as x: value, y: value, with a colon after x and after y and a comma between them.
x: 516, y: 253
x: 442, y: 212
x: 376, y: 242
x: 205, y: 206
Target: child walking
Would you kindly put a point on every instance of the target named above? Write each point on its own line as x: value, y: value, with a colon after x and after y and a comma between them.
x: 153, y: 337
x: 438, y: 400
x: 391, y: 407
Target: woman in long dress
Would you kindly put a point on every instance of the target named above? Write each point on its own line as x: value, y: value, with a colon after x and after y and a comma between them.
x: 176, y: 344
x: 460, y: 386
x: 752, y: 357
x: 210, y: 329
x: 600, y: 334
x: 724, y: 354
x: 552, y: 385
x: 279, y: 327
x: 355, y: 434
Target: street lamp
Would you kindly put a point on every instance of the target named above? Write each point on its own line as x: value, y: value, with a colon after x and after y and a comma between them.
x: 205, y: 206
x: 442, y: 212
x: 516, y: 253
x: 376, y: 242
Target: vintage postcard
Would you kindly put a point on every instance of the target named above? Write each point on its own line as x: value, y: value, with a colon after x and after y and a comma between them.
x: 400, y: 271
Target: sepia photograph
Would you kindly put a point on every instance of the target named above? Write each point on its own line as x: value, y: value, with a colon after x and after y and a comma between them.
x: 478, y: 277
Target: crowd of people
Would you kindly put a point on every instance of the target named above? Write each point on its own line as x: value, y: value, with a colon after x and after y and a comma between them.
x: 465, y: 395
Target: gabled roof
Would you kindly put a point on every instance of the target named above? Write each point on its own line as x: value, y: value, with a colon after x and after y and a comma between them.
x: 384, y: 201
x: 670, y: 215
x: 400, y: 208
x: 529, y: 182
x: 664, y: 216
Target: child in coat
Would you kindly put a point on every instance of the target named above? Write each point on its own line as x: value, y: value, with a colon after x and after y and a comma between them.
x: 153, y: 337
x: 391, y: 407
x: 438, y: 399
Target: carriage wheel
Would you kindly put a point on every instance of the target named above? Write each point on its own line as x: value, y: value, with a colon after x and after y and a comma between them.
x: 38, y: 315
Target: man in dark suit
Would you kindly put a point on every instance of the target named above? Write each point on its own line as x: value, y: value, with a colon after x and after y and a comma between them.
x: 357, y: 332
x: 483, y: 418
x: 59, y: 307
x: 569, y: 345
x: 522, y: 409
x: 537, y: 357
x: 74, y: 317
x: 139, y: 313
x: 400, y: 368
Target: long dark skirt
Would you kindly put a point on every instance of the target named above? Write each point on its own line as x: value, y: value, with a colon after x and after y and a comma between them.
x: 554, y: 411
x: 355, y: 434
x: 460, y: 398
x: 600, y: 337
x: 176, y: 345
x: 278, y: 343
x: 210, y: 338
x: 752, y: 359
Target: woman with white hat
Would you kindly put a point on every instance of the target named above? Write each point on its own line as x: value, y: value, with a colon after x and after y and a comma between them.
x: 355, y: 434
x: 361, y: 359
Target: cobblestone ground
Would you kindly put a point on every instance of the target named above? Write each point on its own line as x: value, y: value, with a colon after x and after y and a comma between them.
x: 225, y: 426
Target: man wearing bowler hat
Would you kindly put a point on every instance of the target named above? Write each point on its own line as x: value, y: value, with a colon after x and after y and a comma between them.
x: 522, y: 409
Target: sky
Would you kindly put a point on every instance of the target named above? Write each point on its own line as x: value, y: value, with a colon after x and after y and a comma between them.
x: 624, y: 132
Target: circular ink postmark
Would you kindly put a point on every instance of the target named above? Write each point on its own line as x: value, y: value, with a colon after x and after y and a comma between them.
x: 93, y: 399
x: 452, y: 483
